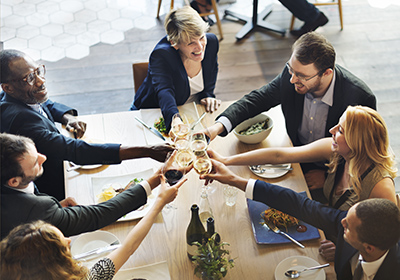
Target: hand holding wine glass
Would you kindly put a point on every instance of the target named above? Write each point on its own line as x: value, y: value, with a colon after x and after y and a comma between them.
x: 172, y: 171
x: 179, y: 126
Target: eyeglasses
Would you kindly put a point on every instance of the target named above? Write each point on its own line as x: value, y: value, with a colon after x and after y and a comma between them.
x: 31, y: 77
x: 301, y: 77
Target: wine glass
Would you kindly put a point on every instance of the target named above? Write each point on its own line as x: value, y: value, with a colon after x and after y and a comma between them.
x: 173, y: 172
x: 179, y: 126
x: 198, y: 142
x: 202, y: 165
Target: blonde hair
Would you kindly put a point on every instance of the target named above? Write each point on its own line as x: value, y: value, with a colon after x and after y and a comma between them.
x: 34, y: 251
x: 184, y: 24
x: 367, y: 136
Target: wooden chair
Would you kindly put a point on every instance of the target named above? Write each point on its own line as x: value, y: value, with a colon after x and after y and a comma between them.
x: 214, y: 11
x: 398, y: 199
x: 334, y: 2
x: 139, y: 73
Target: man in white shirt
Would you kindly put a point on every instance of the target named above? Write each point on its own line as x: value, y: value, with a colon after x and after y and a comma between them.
x: 369, y: 231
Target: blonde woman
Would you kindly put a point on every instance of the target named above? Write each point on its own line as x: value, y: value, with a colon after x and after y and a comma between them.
x: 183, y: 67
x: 360, y: 165
x: 38, y: 250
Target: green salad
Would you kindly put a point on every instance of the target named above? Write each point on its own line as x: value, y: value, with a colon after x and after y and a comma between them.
x: 255, y: 128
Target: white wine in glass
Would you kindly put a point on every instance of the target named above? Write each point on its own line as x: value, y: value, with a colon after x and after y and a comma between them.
x: 198, y: 142
x: 184, y: 158
x: 202, y: 165
x: 180, y: 126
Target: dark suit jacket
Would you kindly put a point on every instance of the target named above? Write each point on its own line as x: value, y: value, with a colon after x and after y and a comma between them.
x: 329, y: 220
x: 348, y: 90
x: 18, y: 118
x: 167, y: 86
x: 18, y: 207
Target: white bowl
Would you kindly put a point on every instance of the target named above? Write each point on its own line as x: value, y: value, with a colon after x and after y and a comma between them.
x: 254, y: 138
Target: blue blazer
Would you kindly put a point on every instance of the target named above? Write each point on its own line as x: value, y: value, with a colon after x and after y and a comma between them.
x: 329, y: 220
x: 167, y: 86
x: 19, y: 118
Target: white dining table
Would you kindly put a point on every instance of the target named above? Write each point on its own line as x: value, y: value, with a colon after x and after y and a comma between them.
x: 166, y: 240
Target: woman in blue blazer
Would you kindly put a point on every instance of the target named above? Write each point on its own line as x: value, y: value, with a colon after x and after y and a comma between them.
x: 183, y: 67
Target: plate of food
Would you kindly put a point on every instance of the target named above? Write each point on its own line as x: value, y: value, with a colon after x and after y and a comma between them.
x: 105, y: 188
x: 93, y: 240
x: 297, y: 229
x: 270, y: 171
x: 299, y: 263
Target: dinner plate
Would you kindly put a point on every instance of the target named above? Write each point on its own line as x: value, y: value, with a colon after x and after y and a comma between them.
x: 299, y: 263
x: 86, y: 167
x: 90, y: 241
x: 99, y: 184
x: 157, y: 271
x: 263, y: 235
x: 272, y: 172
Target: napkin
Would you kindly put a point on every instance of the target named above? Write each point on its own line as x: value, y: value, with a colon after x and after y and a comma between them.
x: 156, y: 271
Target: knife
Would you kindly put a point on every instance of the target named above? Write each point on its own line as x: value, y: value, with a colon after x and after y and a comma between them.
x: 152, y: 129
x: 97, y: 251
x: 198, y: 120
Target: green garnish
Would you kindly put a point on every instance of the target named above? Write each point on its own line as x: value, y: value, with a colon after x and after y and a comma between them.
x: 160, y: 126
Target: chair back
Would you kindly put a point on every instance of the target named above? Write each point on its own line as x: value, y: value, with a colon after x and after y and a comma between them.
x: 398, y: 199
x: 139, y: 73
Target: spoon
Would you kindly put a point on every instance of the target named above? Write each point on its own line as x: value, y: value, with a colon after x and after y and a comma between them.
x: 295, y: 274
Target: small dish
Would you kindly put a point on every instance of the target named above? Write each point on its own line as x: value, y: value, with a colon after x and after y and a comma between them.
x: 270, y: 171
x: 256, y: 137
x: 90, y: 241
x: 299, y: 263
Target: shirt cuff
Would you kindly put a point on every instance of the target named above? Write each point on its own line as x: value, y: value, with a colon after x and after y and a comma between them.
x: 226, y: 123
x: 249, y: 189
x: 146, y: 187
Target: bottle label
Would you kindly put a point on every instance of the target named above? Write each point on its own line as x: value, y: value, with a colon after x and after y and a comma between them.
x: 192, y: 249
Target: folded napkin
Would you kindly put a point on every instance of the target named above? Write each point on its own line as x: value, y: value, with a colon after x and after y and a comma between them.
x: 156, y: 271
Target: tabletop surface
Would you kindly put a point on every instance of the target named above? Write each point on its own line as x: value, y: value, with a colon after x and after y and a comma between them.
x: 166, y: 240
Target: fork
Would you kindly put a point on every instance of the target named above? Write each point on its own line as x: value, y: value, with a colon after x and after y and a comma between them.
x: 275, y: 229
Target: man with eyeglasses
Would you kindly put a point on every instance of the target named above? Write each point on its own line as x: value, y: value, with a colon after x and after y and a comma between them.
x: 26, y: 110
x: 313, y: 93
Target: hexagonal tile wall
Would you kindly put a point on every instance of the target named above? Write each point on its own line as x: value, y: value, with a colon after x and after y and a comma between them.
x: 53, y: 29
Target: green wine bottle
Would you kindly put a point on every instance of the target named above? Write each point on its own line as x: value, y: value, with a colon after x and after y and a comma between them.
x: 195, y: 232
x: 211, y: 230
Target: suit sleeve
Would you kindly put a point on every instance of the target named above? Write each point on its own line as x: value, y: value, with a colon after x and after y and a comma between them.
x: 163, y: 83
x: 254, y: 103
x: 77, y: 219
x: 57, y: 110
x: 312, y: 212
x: 50, y: 142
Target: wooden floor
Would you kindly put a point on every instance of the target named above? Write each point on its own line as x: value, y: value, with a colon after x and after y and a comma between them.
x: 369, y: 46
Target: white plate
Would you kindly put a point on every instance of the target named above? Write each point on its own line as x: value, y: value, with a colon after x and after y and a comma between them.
x: 86, y: 167
x: 90, y: 241
x: 271, y: 172
x: 157, y: 271
x: 99, y: 184
x: 299, y: 263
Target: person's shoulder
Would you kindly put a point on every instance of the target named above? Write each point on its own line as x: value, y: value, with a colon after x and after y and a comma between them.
x: 163, y: 44
x: 349, y: 78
